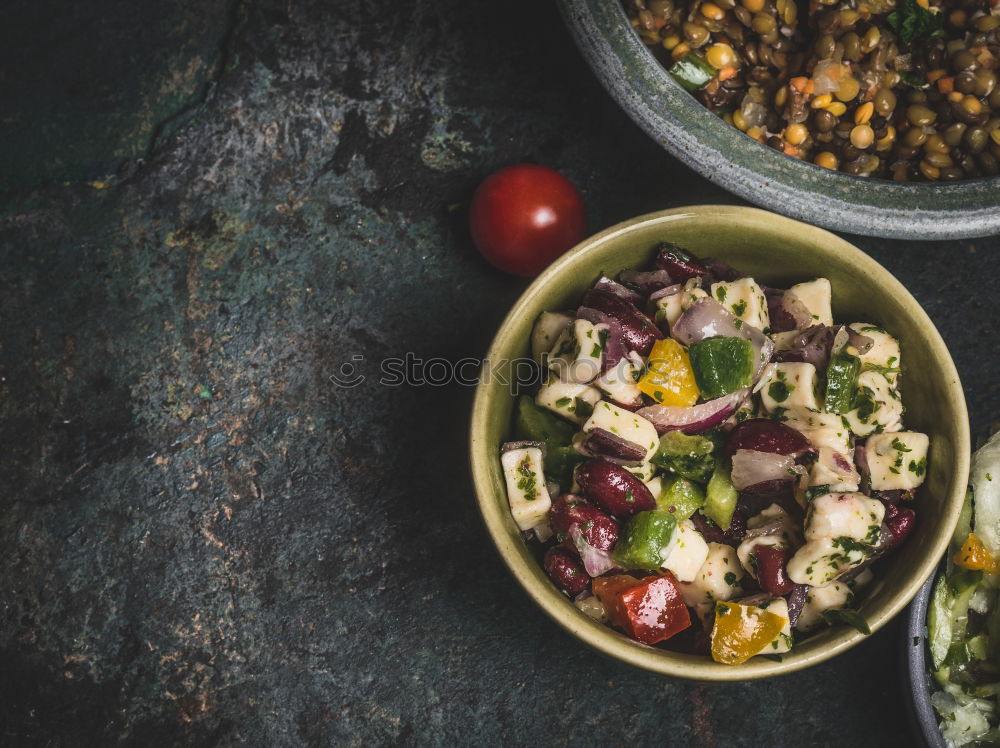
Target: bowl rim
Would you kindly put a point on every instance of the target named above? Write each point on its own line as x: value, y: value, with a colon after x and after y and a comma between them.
x: 603, y: 638
x: 923, y: 718
x: 719, y: 152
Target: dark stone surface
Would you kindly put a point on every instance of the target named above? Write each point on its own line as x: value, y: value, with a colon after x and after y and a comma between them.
x: 203, y: 539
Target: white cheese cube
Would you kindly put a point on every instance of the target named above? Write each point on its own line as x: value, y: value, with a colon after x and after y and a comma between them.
x: 879, y: 406
x: 789, y: 386
x: 820, y: 599
x: 884, y: 352
x: 834, y: 434
x: 570, y: 400
x: 851, y: 515
x: 819, y: 562
x: 576, y: 354
x: 619, y: 382
x: 628, y: 426
x: 669, y: 308
x: 817, y: 297
x: 548, y: 327
x: 835, y: 469
x: 687, y: 554
x: 691, y: 293
x: 717, y: 579
x: 897, y: 460
x: 782, y: 642
x: 745, y: 299
x: 526, y: 492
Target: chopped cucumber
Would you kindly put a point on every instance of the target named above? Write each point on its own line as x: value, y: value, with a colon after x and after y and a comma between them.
x: 939, y: 622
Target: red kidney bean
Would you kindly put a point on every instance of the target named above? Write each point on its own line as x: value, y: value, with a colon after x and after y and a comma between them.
x: 899, y: 522
x: 714, y: 534
x: 614, y: 488
x: 638, y: 330
x: 598, y: 528
x: 722, y: 271
x: 566, y: 571
x: 771, y: 562
x: 765, y: 435
x: 679, y: 263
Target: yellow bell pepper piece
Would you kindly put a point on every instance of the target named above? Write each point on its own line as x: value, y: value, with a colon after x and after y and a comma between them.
x: 741, y: 631
x: 669, y: 379
x: 973, y: 555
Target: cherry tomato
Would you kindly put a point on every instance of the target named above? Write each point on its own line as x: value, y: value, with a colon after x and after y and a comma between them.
x: 525, y: 216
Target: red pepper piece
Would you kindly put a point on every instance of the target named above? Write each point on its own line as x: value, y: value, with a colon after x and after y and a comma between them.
x: 608, y: 590
x: 656, y: 609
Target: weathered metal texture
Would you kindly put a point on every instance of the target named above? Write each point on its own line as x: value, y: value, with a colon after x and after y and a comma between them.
x: 202, y: 538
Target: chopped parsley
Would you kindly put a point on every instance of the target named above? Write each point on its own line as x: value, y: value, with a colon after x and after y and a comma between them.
x: 913, y: 22
x: 779, y: 391
x: 918, y: 468
x: 899, y: 446
x: 847, y: 617
x: 730, y: 578
x: 740, y: 307
x: 720, y: 293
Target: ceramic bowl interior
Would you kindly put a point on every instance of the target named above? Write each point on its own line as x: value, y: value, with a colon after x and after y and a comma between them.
x: 755, y: 172
x: 779, y: 252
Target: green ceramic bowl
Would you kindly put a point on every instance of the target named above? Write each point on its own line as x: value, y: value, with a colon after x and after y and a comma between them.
x: 779, y: 252
x: 755, y: 172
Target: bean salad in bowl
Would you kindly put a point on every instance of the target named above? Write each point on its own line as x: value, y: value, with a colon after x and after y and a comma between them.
x: 904, y: 90
x: 710, y: 464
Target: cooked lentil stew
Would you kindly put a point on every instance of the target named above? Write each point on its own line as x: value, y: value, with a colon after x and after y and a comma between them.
x: 895, y: 89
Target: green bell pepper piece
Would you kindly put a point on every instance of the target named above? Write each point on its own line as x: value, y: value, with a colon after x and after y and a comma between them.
x: 692, y: 72
x: 680, y: 497
x: 687, y: 456
x: 720, y: 496
x: 643, y: 539
x: 721, y: 365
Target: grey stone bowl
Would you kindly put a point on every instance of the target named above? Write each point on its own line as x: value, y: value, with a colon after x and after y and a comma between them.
x: 916, y: 669
x: 722, y: 154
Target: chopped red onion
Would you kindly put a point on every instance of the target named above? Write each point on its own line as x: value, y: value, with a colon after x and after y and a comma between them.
x: 862, y: 343
x: 511, y: 446
x: 861, y: 460
x: 665, y: 291
x: 602, y: 443
x: 752, y: 469
x: 796, y: 602
x: 770, y: 528
x: 614, y: 345
x: 697, y: 418
x: 606, y: 284
x: 595, y: 561
x: 647, y: 282
x: 723, y: 271
x: 786, y: 311
x: 811, y: 346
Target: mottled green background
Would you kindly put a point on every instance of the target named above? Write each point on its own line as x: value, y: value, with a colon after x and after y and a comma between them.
x: 209, y: 207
